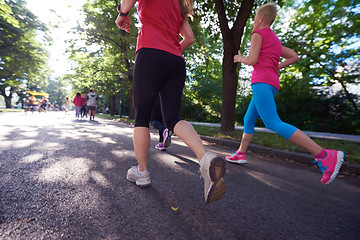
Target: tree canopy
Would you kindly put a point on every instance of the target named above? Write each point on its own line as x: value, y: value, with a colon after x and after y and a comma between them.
x: 105, y: 56
x: 23, y: 60
x: 315, y: 93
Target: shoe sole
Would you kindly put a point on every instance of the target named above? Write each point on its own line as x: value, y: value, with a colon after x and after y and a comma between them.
x: 161, y: 149
x: 339, y: 162
x: 236, y: 161
x: 167, y: 138
x: 139, y: 183
x: 218, y: 187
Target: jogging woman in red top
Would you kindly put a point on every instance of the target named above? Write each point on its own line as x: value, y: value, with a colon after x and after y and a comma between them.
x: 160, y: 69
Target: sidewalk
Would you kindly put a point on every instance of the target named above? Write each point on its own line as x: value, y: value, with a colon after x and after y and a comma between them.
x: 321, y: 135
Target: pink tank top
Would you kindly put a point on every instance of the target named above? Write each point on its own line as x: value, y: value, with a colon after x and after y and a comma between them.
x: 161, y: 21
x: 266, y: 70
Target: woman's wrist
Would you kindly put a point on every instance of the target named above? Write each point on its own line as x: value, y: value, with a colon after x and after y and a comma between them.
x: 122, y: 14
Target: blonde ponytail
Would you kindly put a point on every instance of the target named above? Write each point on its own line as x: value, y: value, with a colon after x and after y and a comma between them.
x: 186, y: 7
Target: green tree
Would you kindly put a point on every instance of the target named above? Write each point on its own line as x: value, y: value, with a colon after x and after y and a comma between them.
x: 22, y: 56
x: 230, y: 18
x: 329, y: 56
x: 327, y: 45
x: 202, y: 94
x: 57, y: 92
x: 109, y: 54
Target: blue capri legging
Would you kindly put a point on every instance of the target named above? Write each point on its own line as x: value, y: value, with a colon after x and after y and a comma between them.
x: 263, y: 104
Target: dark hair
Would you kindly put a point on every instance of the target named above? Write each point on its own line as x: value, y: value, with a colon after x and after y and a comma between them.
x: 78, y: 94
x: 91, y: 90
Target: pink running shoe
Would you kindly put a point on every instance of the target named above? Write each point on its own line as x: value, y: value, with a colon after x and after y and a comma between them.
x: 237, y: 157
x: 160, y: 146
x: 330, y: 165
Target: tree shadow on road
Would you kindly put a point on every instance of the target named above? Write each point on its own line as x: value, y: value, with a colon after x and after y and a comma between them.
x: 67, y: 180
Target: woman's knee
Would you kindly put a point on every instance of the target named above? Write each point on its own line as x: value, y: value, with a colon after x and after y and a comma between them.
x: 282, y: 128
x: 273, y: 125
x: 171, y: 124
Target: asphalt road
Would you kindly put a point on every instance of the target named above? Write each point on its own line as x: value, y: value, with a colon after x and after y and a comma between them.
x: 62, y: 178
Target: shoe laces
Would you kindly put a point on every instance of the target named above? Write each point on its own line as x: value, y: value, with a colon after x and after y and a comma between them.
x: 319, y: 164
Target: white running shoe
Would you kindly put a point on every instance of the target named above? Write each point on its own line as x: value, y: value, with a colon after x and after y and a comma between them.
x: 141, y: 180
x: 213, y: 169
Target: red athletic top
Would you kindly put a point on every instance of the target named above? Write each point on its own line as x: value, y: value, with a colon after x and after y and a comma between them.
x: 78, y: 101
x: 161, y: 21
x: 266, y: 70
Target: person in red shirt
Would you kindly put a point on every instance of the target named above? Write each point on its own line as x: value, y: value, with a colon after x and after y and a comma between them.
x: 160, y: 69
x: 78, y: 102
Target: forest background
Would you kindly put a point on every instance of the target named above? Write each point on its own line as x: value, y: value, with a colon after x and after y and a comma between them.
x: 319, y: 93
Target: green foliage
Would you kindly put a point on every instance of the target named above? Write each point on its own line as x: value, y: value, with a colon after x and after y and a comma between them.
x: 22, y: 56
x: 57, y: 92
x: 109, y: 52
x: 195, y: 111
x: 328, y: 56
x: 202, y: 94
x: 326, y: 46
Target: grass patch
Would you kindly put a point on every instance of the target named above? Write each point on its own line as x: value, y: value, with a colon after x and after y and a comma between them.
x: 11, y: 110
x: 273, y: 140
x: 122, y: 119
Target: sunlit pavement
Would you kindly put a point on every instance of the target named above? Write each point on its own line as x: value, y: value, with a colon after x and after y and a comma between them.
x: 62, y: 178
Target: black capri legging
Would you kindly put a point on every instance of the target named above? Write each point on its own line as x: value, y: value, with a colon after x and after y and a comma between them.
x: 158, y: 72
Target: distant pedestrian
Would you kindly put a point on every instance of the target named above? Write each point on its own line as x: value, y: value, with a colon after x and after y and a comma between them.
x: 67, y: 106
x: 83, y: 111
x: 264, y: 55
x: 44, y: 103
x: 78, y: 102
x: 92, y: 103
x: 160, y: 69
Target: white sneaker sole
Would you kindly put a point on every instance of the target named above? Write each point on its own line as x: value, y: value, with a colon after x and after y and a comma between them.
x: 217, y: 187
x: 340, y: 160
x: 167, y: 139
x: 160, y: 149
x: 142, y: 182
x: 236, y: 161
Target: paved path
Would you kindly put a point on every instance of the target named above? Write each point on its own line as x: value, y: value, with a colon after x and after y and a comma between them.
x: 65, y: 179
x: 334, y: 136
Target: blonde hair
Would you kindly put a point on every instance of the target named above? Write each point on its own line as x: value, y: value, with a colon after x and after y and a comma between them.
x: 269, y: 10
x: 186, y: 7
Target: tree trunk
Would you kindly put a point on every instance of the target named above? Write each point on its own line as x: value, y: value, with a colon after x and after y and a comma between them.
x: 6, y: 97
x: 229, y: 89
x: 113, y: 105
x: 8, y: 101
x: 231, y: 39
